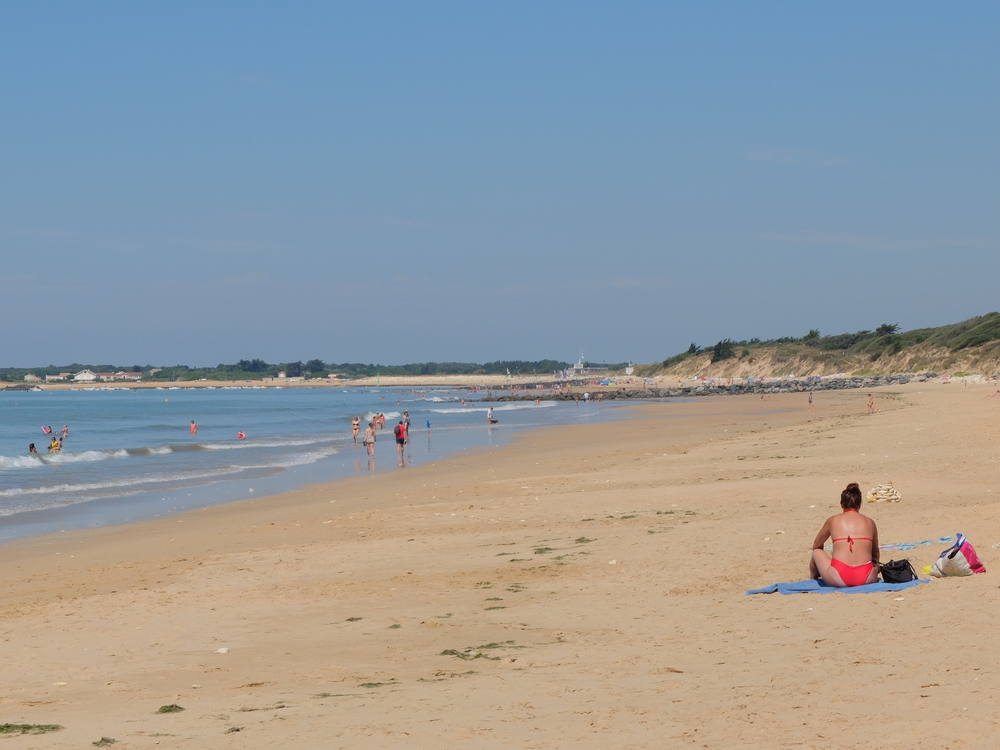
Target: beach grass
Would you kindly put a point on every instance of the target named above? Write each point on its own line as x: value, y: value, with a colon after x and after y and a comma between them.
x: 13, y: 729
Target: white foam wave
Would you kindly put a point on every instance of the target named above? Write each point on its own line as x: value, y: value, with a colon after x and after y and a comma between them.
x: 388, y: 415
x: 269, y: 444
x: 20, y: 462
x: 505, y: 407
x: 134, y: 482
x: 83, y: 456
x: 141, y: 484
x: 160, y: 451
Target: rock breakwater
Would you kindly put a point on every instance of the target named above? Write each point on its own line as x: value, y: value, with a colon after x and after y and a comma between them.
x: 709, y: 388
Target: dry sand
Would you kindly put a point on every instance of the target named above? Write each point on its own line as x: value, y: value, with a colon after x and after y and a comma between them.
x: 581, y: 588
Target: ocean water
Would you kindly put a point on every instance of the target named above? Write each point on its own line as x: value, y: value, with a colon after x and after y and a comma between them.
x: 130, y: 455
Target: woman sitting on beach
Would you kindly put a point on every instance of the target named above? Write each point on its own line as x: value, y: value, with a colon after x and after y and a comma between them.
x: 855, y: 545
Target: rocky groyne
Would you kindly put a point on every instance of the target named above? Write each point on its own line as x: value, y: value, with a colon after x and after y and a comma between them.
x: 722, y: 389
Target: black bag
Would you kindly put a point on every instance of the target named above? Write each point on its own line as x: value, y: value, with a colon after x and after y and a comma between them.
x: 898, y: 571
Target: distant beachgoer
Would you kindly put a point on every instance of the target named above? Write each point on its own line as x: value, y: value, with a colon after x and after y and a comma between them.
x: 54, y: 445
x: 489, y: 415
x: 811, y: 401
x: 355, y: 428
x: 400, y: 432
x: 871, y: 404
x: 65, y: 431
x: 241, y: 435
x: 370, y: 439
x: 406, y: 423
x: 46, y: 430
x: 32, y: 448
x: 428, y: 423
x: 381, y: 421
x: 194, y: 428
x: 855, y: 545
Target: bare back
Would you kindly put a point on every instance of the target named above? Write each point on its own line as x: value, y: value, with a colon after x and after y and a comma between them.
x: 855, y: 538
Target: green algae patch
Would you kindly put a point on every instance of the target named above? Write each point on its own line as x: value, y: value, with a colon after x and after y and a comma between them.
x: 12, y: 729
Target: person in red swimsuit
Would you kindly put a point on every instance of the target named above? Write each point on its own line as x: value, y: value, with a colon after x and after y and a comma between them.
x: 855, y: 545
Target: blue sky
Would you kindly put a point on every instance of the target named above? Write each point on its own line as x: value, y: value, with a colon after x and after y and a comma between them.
x: 396, y: 182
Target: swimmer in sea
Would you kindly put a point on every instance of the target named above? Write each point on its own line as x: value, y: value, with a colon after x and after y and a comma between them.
x: 33, y: 449
x: 65, y: 432
x: 241, y: 435
x: 194, y: 428
x: 355, y: 428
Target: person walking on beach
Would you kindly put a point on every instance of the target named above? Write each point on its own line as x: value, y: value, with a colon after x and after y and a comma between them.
x: 871, y: 404
x: 400, y: 432
x: 355, y: 428
x: 194, y: 428
x: 406, y: 423
x: 811, y: 407
x: 370, y: 439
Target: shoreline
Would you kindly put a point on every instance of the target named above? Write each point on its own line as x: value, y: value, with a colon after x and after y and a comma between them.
x: 600, y: 567
x: 661, y: 386
x: 118, y: 510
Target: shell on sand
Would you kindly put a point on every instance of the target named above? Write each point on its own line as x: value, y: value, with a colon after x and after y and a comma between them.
x: 883, y: 493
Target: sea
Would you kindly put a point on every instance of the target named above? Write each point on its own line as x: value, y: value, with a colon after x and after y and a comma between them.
x: 130, y: 455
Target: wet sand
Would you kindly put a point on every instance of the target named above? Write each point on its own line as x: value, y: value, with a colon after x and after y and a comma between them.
x: 581, y: 587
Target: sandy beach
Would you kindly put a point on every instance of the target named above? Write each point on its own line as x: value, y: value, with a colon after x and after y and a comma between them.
x: 582, y: 587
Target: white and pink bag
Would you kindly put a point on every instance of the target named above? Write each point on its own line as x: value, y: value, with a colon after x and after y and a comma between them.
x: 960, y: 559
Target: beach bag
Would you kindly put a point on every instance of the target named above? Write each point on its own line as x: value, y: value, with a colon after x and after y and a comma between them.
x: 898, y: 571
x: 960, y: 559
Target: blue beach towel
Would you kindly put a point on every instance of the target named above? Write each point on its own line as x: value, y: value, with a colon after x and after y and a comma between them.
x: 813, y: 586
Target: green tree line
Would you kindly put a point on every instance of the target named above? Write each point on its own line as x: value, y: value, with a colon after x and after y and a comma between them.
x: 254, y: 369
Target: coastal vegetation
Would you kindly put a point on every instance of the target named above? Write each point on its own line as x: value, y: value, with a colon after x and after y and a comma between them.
x: 972, y: 345
x: 255, y: 369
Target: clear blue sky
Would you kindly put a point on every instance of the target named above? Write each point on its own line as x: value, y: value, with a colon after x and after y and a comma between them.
x: 395, y: 182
